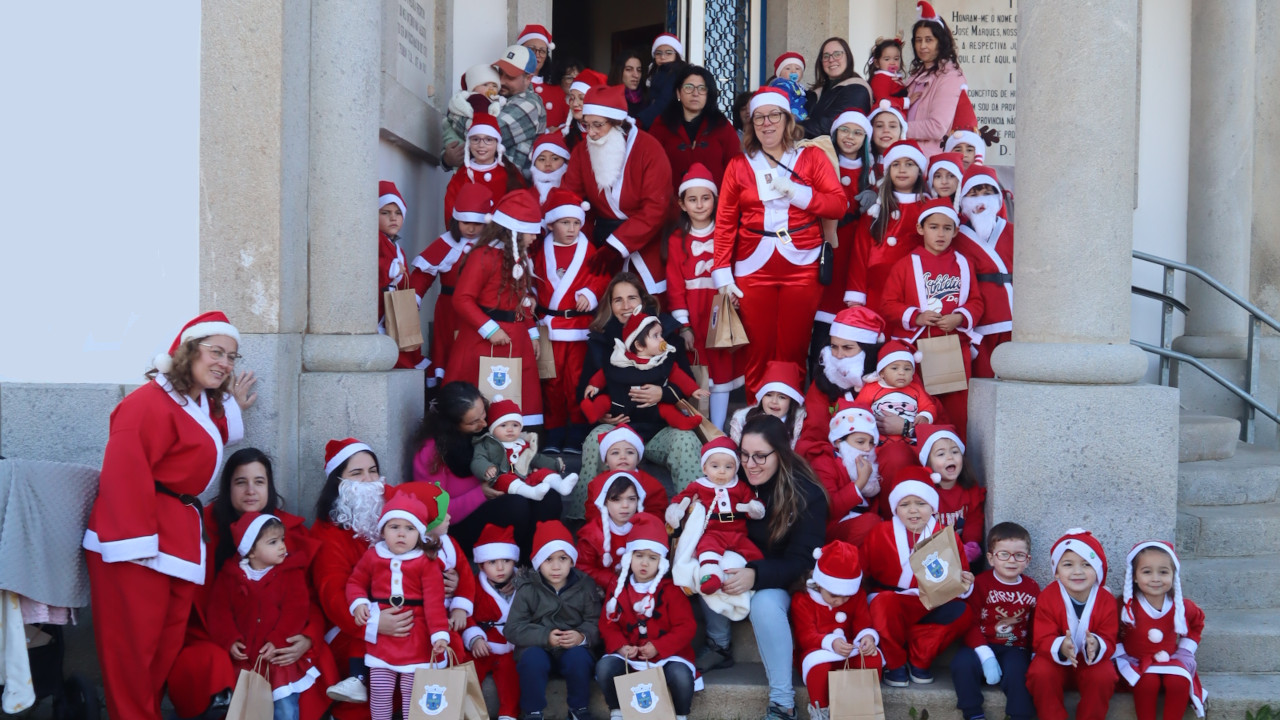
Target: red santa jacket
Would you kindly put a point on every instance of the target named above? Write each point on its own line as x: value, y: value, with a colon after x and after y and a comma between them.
x: 553, y: 99
x: 450, y: 557
x: 591, y: 552
x: 912, y: 402
x: 842, y: 491
x: 714, y: 147
x: 818, y: 409
x: 641, y: 200
x: 956, y: 504
x: 1002, y: 612
x: 500, y: 178
x: 923, y: 281
x: 872, y: 261
x: 161, y: 445
x: 670, y: 627
x: 690, y: 258
x: 490, y: 618
x: 391, y: 267
x: 817, y: 625
x: 378, y: 579
x: 439, y: 260
x: 741, y: 215
x: 993, y: 268
x: 887, y: 550
x: 1145, y: 631
x: 838, y: 293
x: 885, y: 84
x: 483, y: 285
x: 655, y: 497
x: 256, y: 612
x: 561, y: 277
x: 720, y: 500
x: 1055, y: 619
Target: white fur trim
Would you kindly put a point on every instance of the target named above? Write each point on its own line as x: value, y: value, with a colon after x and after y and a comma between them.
x: 767, y: 99
x: 908, y: 152
x: 624, y: 434
x: 385, y: 200
x: 949, y: 212
x: 535, y: 36
x: 650, y: 545
x: 836, y: 585
x: 604, y: 111
x: 978, y: 180
x: 408, y: 517
x: 855, y: 334
x: 496, y: 551
x: 564, y: 211
x: 783, y: 388
x: 343, y: 454
x: 967, y: 137
x: 485, y: 130
x: 927, y: 446
x: 936, y: 164
x: 671, y: 42
x: 251, y: 535
x: 209, y: 329
x: 470, y: 217
x: 696, y: 183
x: 894, y: 357
x: 515, y: 225
x: 719, y: 451
x: 504, y: 418
x: 552, y: 548
x: 851, y: 117
x: 907, y: 488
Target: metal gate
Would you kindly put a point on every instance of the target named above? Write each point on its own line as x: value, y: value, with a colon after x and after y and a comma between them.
x: 727, y: 38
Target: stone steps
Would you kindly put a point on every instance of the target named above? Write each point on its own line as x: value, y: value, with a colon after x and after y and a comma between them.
x: 1229, y: 530
x: 1250, y: 582
x: 1252, y: 475
x: 1207, y: 437
x: 1246, y: 641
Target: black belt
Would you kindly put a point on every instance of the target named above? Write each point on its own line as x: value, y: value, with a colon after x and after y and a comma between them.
x: 189, y: 501
x: 500, y: 315
x: 999, y: 278
x: 445, y: 289
x: 601, y: 230
x: 781, y: 233
x: 847, y: 219
x: 397, y: 601
x: 722, y: 517
x: 544, y: 310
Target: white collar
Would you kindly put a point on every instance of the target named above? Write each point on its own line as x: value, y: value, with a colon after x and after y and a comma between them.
x: 817, y: 597
x: 1168, y: 604
x: 850, y: 164
x: 249, y: 572
x: 482, y: 168
x: 906, y: 197
x: 646, y: 588
x: 385, y: 552
x: 615, y: 528
x: 705, y: 482
x: 704, y: 232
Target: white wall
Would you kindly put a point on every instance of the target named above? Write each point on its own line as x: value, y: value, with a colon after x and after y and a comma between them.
x: 483, y: 24
x: 868, y: 20
x: 98, y: 186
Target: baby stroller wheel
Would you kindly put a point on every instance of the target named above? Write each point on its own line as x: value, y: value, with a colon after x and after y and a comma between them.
x: 79, y: 701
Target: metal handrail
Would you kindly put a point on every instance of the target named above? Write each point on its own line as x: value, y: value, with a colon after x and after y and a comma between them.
x: 1224, y: 382
x: 1212, y: 282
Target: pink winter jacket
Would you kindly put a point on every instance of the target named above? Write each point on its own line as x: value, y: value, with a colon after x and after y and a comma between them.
x: 930, y: 116
x: 465, y: 493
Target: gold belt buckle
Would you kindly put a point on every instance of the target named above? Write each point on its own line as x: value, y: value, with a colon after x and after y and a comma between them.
x: 396, y: 601
x: 784, y: 235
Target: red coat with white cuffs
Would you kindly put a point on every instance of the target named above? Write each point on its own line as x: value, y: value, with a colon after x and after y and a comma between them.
x: 1145, y: 632
x: 1055, y: 619
x: 923, y: 281
x: 740, y: 252
x: 990, y: 259
x: 159, y: 438
x: 441, y: 259
x: 490, y: 619
x: 591, y: 552
x: 560, y: 290
x: 872, y: 262
x: 670, y: 626
x: 887, y: 550
x: 451, y: 558
x: 817, y: 625
x: 381, y: 575
x: 641, y: 200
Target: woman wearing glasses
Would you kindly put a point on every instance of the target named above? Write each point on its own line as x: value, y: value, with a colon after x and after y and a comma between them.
x: 837, y: 87
x: 660, y: 83
x: 693, y: 130
x: 792, y: 528
x: 144, y: 548
x: 768, y: 236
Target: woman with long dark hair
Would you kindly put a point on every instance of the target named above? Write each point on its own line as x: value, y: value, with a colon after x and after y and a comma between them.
x: 693, y: 130
x: 628, y: 71
x: 837, y: 86
x: 936, y: 83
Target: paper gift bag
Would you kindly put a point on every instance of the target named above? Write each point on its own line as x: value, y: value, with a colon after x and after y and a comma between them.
x: 501, y: 376
x: 643, y: 695
x: 400, y: 316
x: 725, y: 330
x: 936, y: 565
x: 252, y: 697
x: 706, y: 430
x: 438, y: 693
x: 546, y: 356
x: 942, y: 364
x: 702, y: 375
x: 474, y: 707
x: 855, y: 693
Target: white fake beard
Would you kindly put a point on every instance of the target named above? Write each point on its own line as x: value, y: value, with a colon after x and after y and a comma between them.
x: 849, y: 456
x: 544, y: 181
x: 981, y: 212
x: 846, y: 373
x: 608, y: 155
x: 359, y: 507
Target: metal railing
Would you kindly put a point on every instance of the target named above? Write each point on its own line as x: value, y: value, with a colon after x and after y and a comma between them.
x: 1167, y: 355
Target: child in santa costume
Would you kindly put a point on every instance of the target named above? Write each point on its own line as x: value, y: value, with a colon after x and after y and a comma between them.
x: 1159, y: 634
x: 889, y: 231
x: 729, y: 501
x: 481, y: 92
x: 640, y: 357
x: 884, y: 67
x: 888, y: 126
x: 567, y: 297
x: 496, y: 553
x: 621, y: 450
x: 648, y: 622
x: 550, y: 162
x: 944, y: 176
x: 849, y: 472
x: 780, y: 396
x: 690, y: 289
x: 484, y: 163
x: 441, y: 259
x: 931, y: 292
x: 832, y: 623
x: 393, y: 269
x: 617, y: 499
x: 446, y: 551
x: 895, y: 390
x: 911, y: 635
x: 509, y: 461
x: 259, y: 601
x: 493, y: 302
x: 1075, y: 628
x: 787, y: 70
x: 960, y: 498
x: 538, y: 39
x: 394, y: 573
x: 986, y: 239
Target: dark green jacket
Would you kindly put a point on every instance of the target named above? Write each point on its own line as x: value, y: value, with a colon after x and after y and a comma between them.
x: 537, y: 609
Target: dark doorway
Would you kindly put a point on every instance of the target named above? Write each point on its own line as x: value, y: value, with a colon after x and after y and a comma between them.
x: 597, y: 32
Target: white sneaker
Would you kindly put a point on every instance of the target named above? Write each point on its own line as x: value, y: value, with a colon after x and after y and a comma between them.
x: 615, y: 714
x: 505, y: 717
x: 350, y: 690
x: 819, y: 713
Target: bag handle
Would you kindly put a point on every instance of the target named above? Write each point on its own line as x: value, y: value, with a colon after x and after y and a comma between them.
x: 259, y: 669
x: 510, y: 349
x: 450, y: 657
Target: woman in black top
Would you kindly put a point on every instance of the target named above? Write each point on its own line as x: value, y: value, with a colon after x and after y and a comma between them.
x: 836, y: 88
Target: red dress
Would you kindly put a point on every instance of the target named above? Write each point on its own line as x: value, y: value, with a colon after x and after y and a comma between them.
x: 1140, y: 626
x: 338, y: 551
x: 1049, y: 676
x: 561, y: 278
x: 441, y: 259
x: 726, y: 525
x: 714, y: 147
x: 421, y: 580
x: 993, y: 267
x: 670, y: 626
x: 872, y: 261
x: 817, y: 625
x: 498, y: 177
x: 690, y: 295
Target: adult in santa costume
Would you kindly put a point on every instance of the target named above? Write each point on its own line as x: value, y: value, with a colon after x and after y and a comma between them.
x: 625, y: 175
x: 769, y: 235
x: 144, y: 549
x: 573, y: 129
x: 538, y: 39
x: 838, y: 374
x: 497, y: 174
x: 936, y: 85
x: 693, y: 131
x: 393, y: 270
x: 986, y: 239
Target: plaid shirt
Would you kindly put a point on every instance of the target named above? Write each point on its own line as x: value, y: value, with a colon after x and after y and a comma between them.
x: 521, y: 121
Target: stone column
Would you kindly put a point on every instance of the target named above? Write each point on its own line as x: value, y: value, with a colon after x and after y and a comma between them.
x: 1065, y: 438
x: 1264, y: 264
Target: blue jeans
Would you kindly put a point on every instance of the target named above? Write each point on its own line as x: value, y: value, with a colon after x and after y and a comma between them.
x: 966, y: 672
x: 575, y: 665
x: 286, y: 708
x: 772, y: 627
x: 678, y: 676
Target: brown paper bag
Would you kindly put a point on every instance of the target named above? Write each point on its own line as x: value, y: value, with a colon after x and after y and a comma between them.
x: 643, y: 695
x: 706, y: 430
x: 702, y: 375
x: 501, y: 376
x: 474, y: 707
x: 252, y: 697
x: 400, y: 316
x: 942, y: 364
x: 438, y: 693
x: 725, y: 330
x: 546, y: 356
x: 936, y: 565
x: 855, y: 693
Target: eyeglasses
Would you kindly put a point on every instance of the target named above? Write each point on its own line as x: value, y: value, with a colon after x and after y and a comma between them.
x: 772, y: 118
x: 1006, y: 556
x: 596, y: 125
x: 219, y: 354
x: 755, y: 458
x: 664, y: 53
x: 849, y: 131
x: 836, y: 55
x: 694, y: 89
x: 540, y: 52
x: 483, y: 140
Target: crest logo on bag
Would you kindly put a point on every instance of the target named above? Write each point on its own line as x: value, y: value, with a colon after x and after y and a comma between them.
x: 642, y: 698
x: 935, y: 568
x: 499, y: 377
x: 432, y: 701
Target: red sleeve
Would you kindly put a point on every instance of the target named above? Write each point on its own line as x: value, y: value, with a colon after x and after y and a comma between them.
x: 589, y: 562
x: 1195, y: 620
x: 861, y: 613
x: 862, y: 242
x: 611, y: 636
x: 360, y: 582
x: 218, y: 614
x: 683, y: 381
x: 729, y: 213
x: 329, y: 573
x: 295, y: 607
x: 975, y: 519
x: 579, y: 165
x: 690, y: 491
x: 973, y: 637
x: 1104, y: 622
x: 1049, y: 622
x: 844, y: 495
x: 726, y: 138
x: 679, y: 614
x: 675, y: 273
x: 650, y: 203
x: 478, y: 271
x: 828, y: 199
x: 420, y: 280
x: 451, y: 191
x: 655, y: 495
x: 925, y: 403
x: 804, y: 624
x: 433, y: 599
x: 899, y: 297
x: 124, y: 514
x: 466, y: 590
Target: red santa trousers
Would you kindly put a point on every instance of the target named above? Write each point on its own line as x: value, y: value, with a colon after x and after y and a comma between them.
x: 1177, y: 696
x: 902, y: 638
x: 982, y: 364
x: 505, y: 678
x: 560, y: 405
x: 138, y: 614
x: 201, y: 670
x: 1047, y: 681
x: 775, y: 304
x: 855, y: 529
x: 818, y: 683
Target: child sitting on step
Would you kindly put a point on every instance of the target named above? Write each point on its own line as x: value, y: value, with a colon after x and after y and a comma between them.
x: 509, y: 461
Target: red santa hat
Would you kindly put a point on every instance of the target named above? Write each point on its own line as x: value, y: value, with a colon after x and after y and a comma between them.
x: 518, y: 60
x: 949, y: 161
x: 431, y: 495
x: 838, y: 570
x: 550, y: 537
x: 1083, y: 543
x: 1179, y: 612
x: 503, y: 410
x: 336, y: 452
x: 968, y: 137
x: 720, y: 446
x: 484, y: 125
x: 635, y: 327
x: 588, y: 79
x: 858, y: 324
x: 473, y: 203
x: 204, y: 325
x: 607, y: 101
x: 478, y: 75
x: 852, y: 116
x: 518, y: 212
x: 388, y: 193
x: 404, y: 506
x: 563, y: 204
x: 768, y: 97
x: 979, y: 175
x: 927, y: 435
x: 620, y: 433
x: 697, y: 176
x: 896, y: 350
x: 496, y: 543
x: 785, y: 58
x: 553, y: 141
x: 852, y: 417
x: 915, y: 481
x: 535, y: 32
x: 784, y: 377
x: 598, y: 494
x: 909, y: 149
x: 896, y: 106
x: 647, y: 533
x: 925, y: 11
x: 245, y: 531
x: 938, y: 206
x: 670, y: 41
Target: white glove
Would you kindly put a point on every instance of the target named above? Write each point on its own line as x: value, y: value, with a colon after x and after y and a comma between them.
x: 675, y: 513
x: 783, y: 185
x: 731, y: 289
x: 753, y: 509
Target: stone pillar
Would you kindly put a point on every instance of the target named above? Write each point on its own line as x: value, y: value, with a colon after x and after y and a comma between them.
x: 1066, y: 438
x: 1264, y: 264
